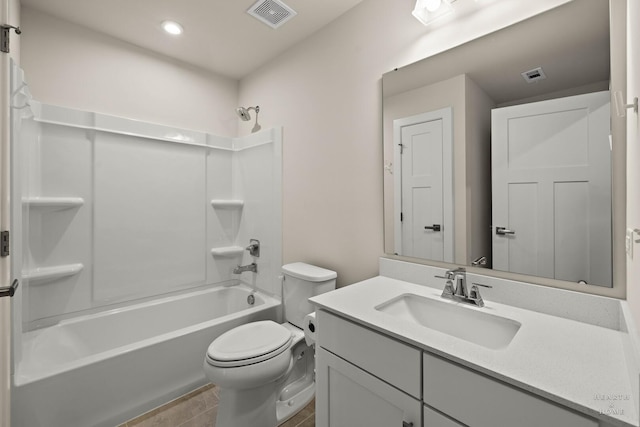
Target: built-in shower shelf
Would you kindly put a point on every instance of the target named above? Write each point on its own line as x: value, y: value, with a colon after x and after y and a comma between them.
x: 227, y: 204
x: 227, y: 251
x: 48, y: 274
x: 54, y: 203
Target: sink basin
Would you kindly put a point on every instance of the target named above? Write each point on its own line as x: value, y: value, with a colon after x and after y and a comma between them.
x: 467, y: 323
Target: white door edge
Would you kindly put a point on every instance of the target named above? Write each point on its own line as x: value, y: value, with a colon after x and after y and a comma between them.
x: 5, y: 270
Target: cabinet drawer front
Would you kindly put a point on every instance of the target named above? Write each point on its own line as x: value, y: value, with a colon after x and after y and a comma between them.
x: 435, y: 419
x: 390, y: 360
x: 347, y: 396
x: 480, y: 401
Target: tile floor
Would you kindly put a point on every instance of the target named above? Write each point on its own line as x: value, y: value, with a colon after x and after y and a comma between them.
x: 199, y: 409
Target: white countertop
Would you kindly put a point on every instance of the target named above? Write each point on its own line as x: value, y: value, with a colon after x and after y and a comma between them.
x: 576, y: 364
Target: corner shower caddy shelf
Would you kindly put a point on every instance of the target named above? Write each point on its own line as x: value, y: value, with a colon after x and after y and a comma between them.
x: 53, y: 203
x: 227, y: 204
x: 40, y: 275
x: 227, y: 251
x: 48, y: 274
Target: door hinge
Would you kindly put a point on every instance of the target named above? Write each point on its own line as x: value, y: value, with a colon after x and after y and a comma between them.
x: 401, y: 217
x: 5, y: 34
x: 4, y: 243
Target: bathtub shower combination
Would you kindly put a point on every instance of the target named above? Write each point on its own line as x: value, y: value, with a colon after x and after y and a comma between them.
x: 126, y: 235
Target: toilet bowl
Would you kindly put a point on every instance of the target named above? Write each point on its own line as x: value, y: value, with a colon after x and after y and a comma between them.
x: 265, y: 370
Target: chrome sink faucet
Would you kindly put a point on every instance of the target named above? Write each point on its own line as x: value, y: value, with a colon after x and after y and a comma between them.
x: 456, y: 288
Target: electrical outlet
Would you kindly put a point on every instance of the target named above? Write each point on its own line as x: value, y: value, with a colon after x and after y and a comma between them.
x: 628, y: 242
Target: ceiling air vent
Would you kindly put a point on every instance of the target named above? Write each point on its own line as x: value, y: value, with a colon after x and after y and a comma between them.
x: 534, y: 75
x: 274, y: 13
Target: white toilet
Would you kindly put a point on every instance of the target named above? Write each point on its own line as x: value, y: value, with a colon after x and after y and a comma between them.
x: 265, y: 370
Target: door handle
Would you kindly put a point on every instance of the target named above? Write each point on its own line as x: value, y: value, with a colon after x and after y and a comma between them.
x: 504, y: 231
x: 10, y: 290
x: 434, y: 227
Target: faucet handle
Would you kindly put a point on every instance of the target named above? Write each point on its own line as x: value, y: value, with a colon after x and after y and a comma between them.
x: 475, y: 297
x: 254, y: 247
x: 450, y: 274
x: 474, y: 294
x: 448, y: 290
x: 480, y: 284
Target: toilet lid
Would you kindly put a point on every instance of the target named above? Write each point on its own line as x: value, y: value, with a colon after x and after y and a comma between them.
x: 250, y: 341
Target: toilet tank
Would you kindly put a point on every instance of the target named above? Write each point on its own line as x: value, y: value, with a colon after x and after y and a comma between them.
x: 301, y: 282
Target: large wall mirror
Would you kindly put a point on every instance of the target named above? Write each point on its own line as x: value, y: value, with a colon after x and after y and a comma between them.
x: 502, y: 152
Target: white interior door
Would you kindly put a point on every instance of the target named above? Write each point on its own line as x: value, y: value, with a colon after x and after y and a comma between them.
x: 551, y: 177
x: 424, y: 228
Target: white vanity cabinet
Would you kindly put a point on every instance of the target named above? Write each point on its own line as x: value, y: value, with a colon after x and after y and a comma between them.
x: 367, y: 379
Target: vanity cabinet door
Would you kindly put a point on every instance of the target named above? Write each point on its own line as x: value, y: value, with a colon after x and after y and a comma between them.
x: 435, y: 419
x: 479, y: 401
x: 347, y: 396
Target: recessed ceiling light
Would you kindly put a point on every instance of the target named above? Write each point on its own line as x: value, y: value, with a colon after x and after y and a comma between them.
x: 172, y: 27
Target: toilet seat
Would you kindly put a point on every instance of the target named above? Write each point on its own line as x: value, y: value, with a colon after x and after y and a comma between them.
x: 249, y: 344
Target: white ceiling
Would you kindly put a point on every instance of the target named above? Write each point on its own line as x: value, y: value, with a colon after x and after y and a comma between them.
x: 219, y: 35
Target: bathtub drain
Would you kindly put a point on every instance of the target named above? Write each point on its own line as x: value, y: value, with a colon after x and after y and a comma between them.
x: 251, y: 299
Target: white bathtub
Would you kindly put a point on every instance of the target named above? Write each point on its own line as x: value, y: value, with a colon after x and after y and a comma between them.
x: 103, y: 369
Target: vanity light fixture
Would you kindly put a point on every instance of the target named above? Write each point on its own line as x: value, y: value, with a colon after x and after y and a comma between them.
x: 622, y: 106
x: 427, y: 11
x: 172, y: 28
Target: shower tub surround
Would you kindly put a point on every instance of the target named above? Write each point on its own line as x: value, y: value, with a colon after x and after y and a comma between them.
x: 103, y: 369
x: 126, y: 237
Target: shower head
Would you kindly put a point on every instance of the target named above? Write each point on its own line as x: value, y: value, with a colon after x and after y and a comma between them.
x: 243, y: 113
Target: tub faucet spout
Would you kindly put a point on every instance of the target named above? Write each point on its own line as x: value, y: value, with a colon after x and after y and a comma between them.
x: 253, y: 267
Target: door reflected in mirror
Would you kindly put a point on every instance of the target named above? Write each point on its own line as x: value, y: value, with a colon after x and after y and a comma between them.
x: 551, y: 188
x: 424, y: 185
x: 500, y: 150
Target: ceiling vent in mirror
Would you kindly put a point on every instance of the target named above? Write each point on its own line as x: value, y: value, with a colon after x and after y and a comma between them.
x: 534, y: 75
x: 274, y: 13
